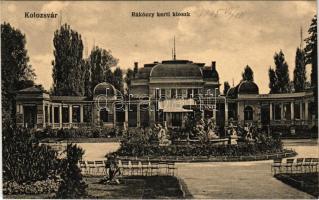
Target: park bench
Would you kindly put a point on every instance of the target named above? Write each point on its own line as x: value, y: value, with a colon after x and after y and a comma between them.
x: 82, y: 166
x: 125, y: 167
x: 171, y: 168
x: 145, y: 167
x: 277, y: 164
x: 307, y: 164
x: 289, y: 164
x: 154, y: 166
x: 314, y: 164
x: 91, y: 167
x: 100, y: 167
x: 299, y: 163
x: 136, y: 167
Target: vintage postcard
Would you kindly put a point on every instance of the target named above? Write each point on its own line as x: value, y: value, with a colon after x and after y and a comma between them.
x: 159, y: 99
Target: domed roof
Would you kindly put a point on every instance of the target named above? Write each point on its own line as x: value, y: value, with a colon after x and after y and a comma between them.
x: 104, y: 89
x: 176, y: 69
x: 248, y: 87
x: 232, y: 92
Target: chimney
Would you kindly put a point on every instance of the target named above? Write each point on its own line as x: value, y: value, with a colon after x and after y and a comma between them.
x: 213, y: 65
x: 136, y: 64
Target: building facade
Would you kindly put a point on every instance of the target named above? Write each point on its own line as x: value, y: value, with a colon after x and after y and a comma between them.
x: 165, y: 92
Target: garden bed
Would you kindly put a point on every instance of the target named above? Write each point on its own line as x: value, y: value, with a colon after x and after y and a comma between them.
x: 283, y: 154
x: 136, y: 187
x: 307, y: 182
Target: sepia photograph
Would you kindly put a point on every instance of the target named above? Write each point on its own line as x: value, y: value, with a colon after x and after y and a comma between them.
x: 159, y: 99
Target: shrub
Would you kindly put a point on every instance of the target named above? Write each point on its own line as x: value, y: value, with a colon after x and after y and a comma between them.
x: 24, y: 160
x: 37, y: 187
x: 138, y: 146
x: 72, y: 185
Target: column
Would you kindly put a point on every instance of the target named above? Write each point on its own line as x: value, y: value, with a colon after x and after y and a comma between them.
x: 270, y: 112
x: 301, y: 113
x: 282, y: 111
x: 292, y: 111
x: 226, y: 113
x: 126, y: 116
x: 44, y: 119
x: 114, y: 115
x: 138, y: 119
x: 49, y: 114
x: 70, y: 115
x: 306, y: 110
x: 81, y: 113
x: 52, y: 116
x: 60, y: 116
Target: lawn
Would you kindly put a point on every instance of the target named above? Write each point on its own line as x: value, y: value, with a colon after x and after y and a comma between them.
x: 307, y: 182
x: 134, y: 187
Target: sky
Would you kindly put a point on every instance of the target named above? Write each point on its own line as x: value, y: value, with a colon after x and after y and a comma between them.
x: 234, y: 34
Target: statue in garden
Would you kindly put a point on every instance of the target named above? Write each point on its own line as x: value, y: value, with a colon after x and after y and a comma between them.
x: 112, y: 170
x: 248, y: 129
x: 211, y: 129
x: 162, y: 135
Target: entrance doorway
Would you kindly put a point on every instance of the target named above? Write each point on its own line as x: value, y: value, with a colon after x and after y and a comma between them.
x: 30, y: 116
x: 264, y: 114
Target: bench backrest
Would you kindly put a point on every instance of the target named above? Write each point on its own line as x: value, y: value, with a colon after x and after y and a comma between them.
x: 290, y: 161
x: 308, y: 160
x: 300, y: 160
x: 135, y: 162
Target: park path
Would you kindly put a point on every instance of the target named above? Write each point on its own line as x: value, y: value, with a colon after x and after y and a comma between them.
x: 244, y: 180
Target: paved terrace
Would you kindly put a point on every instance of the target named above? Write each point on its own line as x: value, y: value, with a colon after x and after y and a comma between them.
x: 244, y: 180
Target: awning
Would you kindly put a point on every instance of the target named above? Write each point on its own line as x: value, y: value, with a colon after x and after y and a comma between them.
x: 176, y: 105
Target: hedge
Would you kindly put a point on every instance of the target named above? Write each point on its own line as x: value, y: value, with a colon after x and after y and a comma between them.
x: 243, y: 149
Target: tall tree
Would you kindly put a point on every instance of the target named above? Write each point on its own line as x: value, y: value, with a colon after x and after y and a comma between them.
x: 118, y: 79
x: 248, y: 74
x: 311, y: 50
x: 101, y: 62
x: 128, y: 78
x: 87, y: 78
x: 16, y: 72
x: 299, y: 82
x: 67, y: 64
x: 226, y: 87
x: 282, y: 72
x: 273, y: 82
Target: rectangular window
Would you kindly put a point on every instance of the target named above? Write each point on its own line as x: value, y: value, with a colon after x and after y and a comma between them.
x: 179, y: 93
x: 157, y: 93
x: 189, y: 93
x: 277, y: 112
x: 287, y: 112
x: 173, y: 93
x: 163, y: 93
x: 46, y: 118
x: 195, y: 92
x: 87, y: 113
x: 75, y: 114
x: 297, y: 110
x: 56, y: 114
x: 65, y: 114
x: 104, y: 115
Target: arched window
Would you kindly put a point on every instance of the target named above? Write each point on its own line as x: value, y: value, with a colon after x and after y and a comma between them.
x: 248, y: 113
